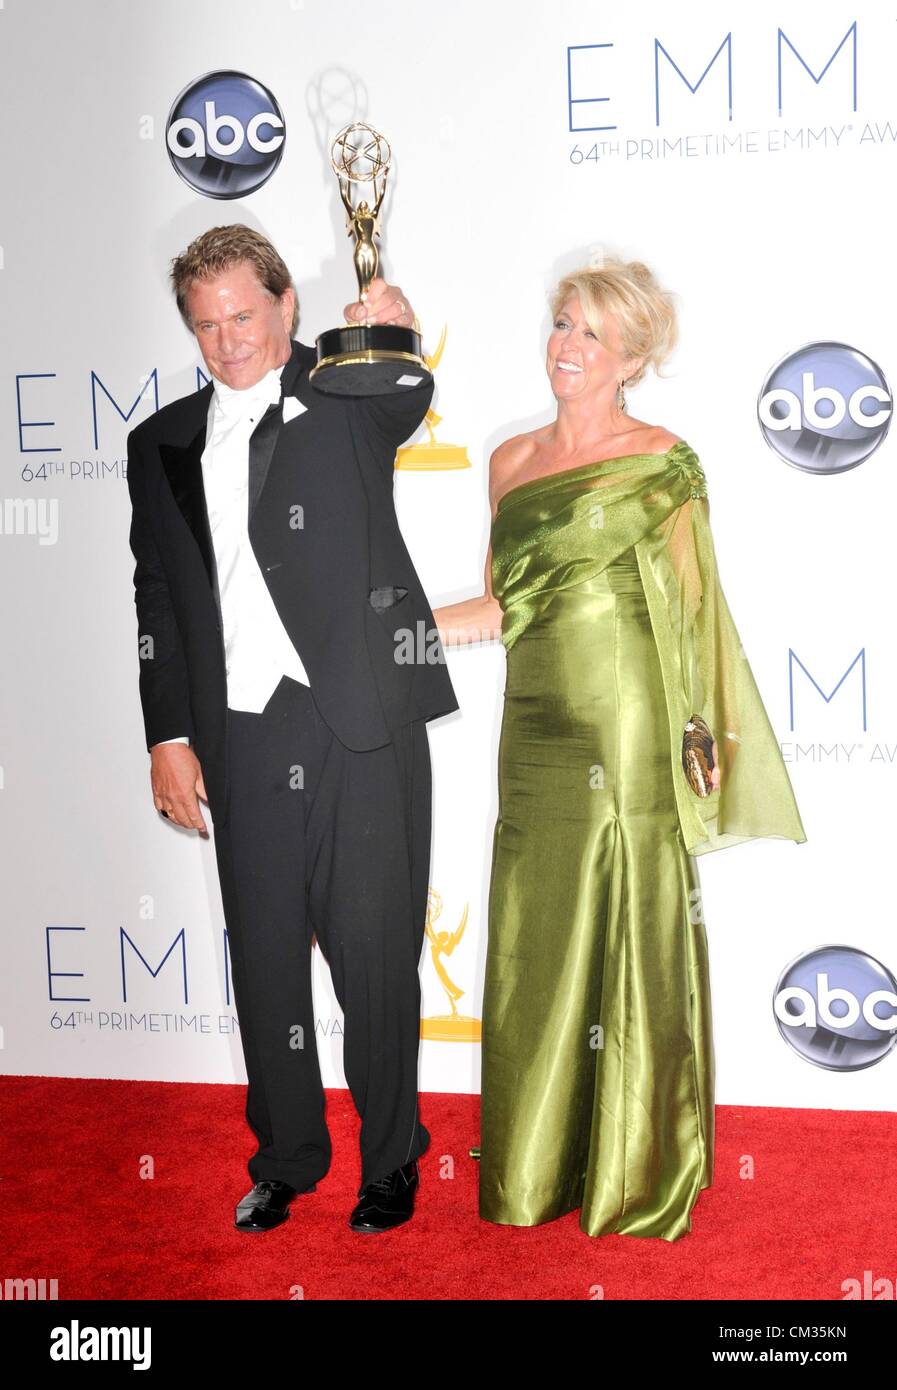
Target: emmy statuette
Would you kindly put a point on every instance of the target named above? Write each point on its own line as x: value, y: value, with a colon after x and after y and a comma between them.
x: 366, y: 359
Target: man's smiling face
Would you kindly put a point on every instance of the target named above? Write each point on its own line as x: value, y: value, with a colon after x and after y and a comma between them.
x: 242, y: 330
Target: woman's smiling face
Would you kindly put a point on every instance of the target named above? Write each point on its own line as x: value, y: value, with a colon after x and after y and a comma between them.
x: 577, y: 364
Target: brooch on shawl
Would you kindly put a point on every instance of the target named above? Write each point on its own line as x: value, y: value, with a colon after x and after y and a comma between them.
x: 686, y: 461
x: 697, y: 755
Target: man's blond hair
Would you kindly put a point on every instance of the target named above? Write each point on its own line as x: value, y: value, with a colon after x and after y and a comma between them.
x: 221, y: 248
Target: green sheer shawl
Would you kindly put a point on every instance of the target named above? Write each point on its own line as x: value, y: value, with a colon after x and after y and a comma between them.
x: 560, y: 530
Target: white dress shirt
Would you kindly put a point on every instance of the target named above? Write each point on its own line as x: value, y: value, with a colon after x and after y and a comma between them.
x: 258, y: 650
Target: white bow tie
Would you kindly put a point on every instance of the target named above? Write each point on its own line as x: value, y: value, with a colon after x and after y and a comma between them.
x: 234, y: 403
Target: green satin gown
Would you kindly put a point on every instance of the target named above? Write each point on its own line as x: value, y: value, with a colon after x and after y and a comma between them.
x: 597, y: 1052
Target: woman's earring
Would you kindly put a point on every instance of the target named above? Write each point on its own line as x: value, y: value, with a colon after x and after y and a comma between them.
x: 622, y: 397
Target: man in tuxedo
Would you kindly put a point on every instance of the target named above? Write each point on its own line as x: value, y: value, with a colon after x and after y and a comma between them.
x: 274, y: 597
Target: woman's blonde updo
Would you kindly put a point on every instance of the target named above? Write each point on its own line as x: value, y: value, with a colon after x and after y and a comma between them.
x: 645, y: 313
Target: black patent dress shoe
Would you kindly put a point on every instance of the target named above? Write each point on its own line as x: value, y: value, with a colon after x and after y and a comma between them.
x: 387, y: 1202
x: 266, y: 1206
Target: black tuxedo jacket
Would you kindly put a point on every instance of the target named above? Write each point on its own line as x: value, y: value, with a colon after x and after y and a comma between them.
x: 338, y: 570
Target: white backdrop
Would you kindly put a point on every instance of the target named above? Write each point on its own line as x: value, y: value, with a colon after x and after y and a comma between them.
x: 782, y: 236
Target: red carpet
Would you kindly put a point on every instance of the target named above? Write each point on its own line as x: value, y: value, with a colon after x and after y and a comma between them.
x: 820, y: 1209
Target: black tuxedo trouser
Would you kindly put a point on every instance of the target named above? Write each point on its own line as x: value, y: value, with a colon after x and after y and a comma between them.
x: 326, y: 841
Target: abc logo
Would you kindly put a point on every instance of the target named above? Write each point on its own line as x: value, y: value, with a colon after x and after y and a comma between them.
x: 225, y: 135
x: 825, y: 408
x: 837, y: 1007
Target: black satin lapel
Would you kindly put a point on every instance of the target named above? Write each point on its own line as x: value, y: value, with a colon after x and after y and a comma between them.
x: 183, y: 468
x: 263, y: 440
x: 261, y: 450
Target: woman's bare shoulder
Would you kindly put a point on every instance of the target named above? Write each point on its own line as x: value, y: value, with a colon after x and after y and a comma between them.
x: 517, y: 446
x: 508, y: 458
x: 661, y: 440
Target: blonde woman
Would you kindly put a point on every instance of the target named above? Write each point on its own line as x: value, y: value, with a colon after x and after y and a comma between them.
x: 601, y: 582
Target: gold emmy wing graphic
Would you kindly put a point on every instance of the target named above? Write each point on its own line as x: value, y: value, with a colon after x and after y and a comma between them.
x: 433, y: 454
x: 451, y: 1027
